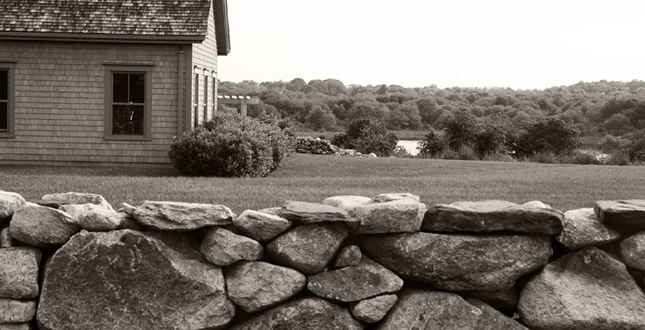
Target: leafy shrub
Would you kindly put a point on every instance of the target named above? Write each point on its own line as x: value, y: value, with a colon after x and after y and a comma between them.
x: 547, y: 136
x: 367, y: 136
x: 231, y: 145
x: 543, y: 157
x: 620, y: 157
x: 584, y: 158
x: 609, y: 144
x: 433, y: 145
x: 637, y: 147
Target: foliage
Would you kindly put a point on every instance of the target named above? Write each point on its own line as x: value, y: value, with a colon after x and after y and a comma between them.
x: 609, y: 144
x: 433, y: 145
x: 549, y: 135
x: 486, y: 135
x: 367, y: 136
x: 231, y: 145
x: 620, y: 157
x: 637, y: 147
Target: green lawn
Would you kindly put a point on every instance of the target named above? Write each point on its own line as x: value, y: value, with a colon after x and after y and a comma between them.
x: 313, y: 178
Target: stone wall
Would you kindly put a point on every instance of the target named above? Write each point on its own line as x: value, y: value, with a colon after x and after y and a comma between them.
x: 71, y: 261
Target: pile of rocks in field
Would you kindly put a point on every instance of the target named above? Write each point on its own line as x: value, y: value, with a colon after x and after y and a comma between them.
x: 350, y: 262
x: 310, y: 145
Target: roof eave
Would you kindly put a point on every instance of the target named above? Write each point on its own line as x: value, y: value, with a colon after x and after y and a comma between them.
x: 88, y: 37
x: 221, y: 27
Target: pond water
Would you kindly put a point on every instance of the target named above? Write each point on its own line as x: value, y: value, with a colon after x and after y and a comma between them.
x: 410, y: 146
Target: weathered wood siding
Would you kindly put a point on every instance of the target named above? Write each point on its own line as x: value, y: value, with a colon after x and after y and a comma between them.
x: 60, y: 102
x: 205, y: 57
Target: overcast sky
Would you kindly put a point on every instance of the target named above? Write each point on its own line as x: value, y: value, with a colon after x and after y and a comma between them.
x: 495, y: 43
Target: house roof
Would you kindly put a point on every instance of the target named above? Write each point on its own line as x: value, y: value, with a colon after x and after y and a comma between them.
x: 150, y: 20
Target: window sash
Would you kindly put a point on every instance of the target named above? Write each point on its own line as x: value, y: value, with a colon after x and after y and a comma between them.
x: 133, y: 124
x: 7, y: 99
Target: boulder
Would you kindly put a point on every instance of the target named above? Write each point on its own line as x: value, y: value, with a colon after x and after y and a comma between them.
x: 587, y: 289
x: 582, y: 229
x: 389, y: 197
x: 492, y: 216
x: 132, y: 280
x: 459, y: 262
x: 17, y: 311
x: 632, y: 251
x: 350, y: 255
x: 77, y: 198
x: 423, y: 309
x: 259, y: 226
x: 5, y: 238
x: 308, y: 248
x: 19, y: 272
x: 15, y: 326
x: 536, y: 204
x: 92, y: 217
x: 374, y: 309
x: 346, y: 202
x: 396, y: 216
x: 505, y: 298
x: 367, y: 279
x: 223, y: 247
x: 257, y: 285
x: 177, y: 216
x: 313, y: 212
x: 42, y: 226
x: 10, y: 202
x: 626, y: 216
x: 302, y: 313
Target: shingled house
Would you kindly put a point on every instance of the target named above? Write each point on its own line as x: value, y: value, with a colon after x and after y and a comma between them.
x: 105, y: 81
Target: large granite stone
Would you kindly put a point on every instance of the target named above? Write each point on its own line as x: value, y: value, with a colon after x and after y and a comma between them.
x: 458, y: 262
x: 429, y: 310
x: 389, y: 197
x: 6, y: 240
x: 19, y: 272
x: 313, y: 212
x: 373, y: 309
x: 396, y: 216
x: 178, y: 216
x: 308, y: 248
x: 505, y: 298
x: 346, y: 202
x: 93, y: 217
x: 77, y: 198
x: 15, y: 326
x: 223, y: 247
x: 302, y: 313
x: 10, y: 202
x: 350, y: 255
x: 259, y: 226
x: 367, y: 279
x: 632, y: 250
x: 17, y: 311
x: 582, y: 229
x: 132, y: 280
x: 584, y: 290
x: 626, y: 216
x: 42, y: 226
x: 257, y: 285
x: 492, y: 216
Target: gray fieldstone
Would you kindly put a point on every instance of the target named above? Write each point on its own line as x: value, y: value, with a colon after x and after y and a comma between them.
x: 429, y: 310
x: 132, y: 280
x: 458, y: 262
x: 584, y: 290
x: 626, y: 216
x: 582, y: 229
x: 15, y: 326
x: 389, y: 197
x: 17, y: 311
x: 128, y: 209
x: 367, y: 279
x: 492, y: 216
x: 19, y: 272
x: 92, y: 217
x: 10, y: 202
x: 257, y: 285
x: 178, y: 216
x: 536, y: 204
x: 5, y: 238
x: 396, y: 216
x: 302, y: 313
x: 77, y: 198
x: 346, y: 202
x: 308, y: 248
x: 373, y: 309
x: 632, y: 251
x: 259, y: 226
x: 505, y: 298
x: 313, y: 212
x: 42, y: 226
x: 350, y: 255
x: 223, y: 247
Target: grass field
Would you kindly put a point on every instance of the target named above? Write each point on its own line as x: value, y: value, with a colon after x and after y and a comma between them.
x: 313, y: 178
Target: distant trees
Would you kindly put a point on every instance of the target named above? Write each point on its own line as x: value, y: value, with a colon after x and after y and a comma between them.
x: 549, y: 135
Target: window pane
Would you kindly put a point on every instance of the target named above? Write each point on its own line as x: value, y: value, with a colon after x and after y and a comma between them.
x: 3, y: 116
x: 120, y: 87
x: 137, y: 88
x: 127, y: 120
x: 4, y: 84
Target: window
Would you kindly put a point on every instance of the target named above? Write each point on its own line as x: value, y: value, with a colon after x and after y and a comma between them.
x: 196, y: 106
x: 214, y: 94
x: 205, y: 97
x: 128, y: 103
x: 6, y: 100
